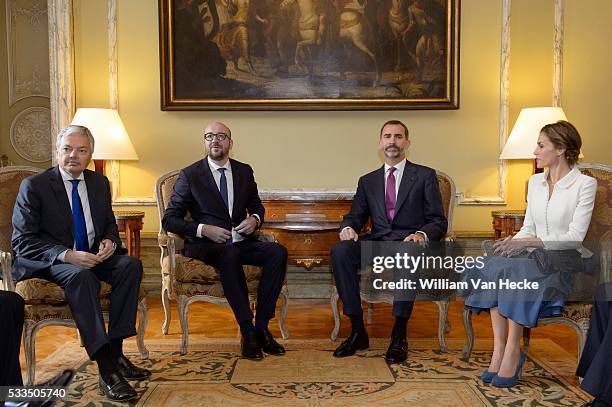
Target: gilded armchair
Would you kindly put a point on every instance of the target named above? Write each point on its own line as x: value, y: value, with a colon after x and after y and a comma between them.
x: 188, y: 280
x: 447, y: 191
x: 45, y: 301
x: 576, y: 314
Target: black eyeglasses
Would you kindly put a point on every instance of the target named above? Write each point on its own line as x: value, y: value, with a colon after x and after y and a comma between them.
x: 218, y: 136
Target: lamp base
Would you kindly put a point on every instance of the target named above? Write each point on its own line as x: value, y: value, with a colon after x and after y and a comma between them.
x: 99, y: 167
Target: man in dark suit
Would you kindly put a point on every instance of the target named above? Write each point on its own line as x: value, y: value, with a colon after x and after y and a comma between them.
x: 11, y: 325
x: 64, y: 231
x: 595, y: 365
x: 403, y: 201
x: 221, y: 196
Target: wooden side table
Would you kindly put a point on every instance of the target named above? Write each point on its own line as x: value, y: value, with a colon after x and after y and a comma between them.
x: 507, y: 223
x: 130, y: 222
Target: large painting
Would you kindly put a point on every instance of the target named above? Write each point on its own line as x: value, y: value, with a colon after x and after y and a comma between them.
x: 309, y: 54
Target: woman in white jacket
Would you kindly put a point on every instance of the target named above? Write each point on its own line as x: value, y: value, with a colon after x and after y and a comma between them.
x: 547, y: 250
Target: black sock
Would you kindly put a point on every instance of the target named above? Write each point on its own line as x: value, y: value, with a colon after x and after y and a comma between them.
x: 105, y: 361
x: 261, y: 325
x: 357, y: 323
x: 246, y: 327
x: 399, y: 328
x: 116, y: 346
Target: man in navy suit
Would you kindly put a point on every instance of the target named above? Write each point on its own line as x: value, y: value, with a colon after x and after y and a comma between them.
x: 595, y: 365
x: 221, y: 196
x: 64, y: 231
x: 403, y: 201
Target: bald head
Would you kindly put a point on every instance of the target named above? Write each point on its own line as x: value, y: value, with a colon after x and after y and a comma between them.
x: 218, y: 127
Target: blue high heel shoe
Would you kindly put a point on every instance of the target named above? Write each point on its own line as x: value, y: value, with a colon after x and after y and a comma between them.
x: 487, y: 376
x: 500, y: 381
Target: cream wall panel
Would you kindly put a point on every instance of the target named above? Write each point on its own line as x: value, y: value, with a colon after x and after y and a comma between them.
x: 328, y: 149
x: 588, y: 75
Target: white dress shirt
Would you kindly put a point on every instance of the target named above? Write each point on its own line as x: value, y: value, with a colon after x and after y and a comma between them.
x: 562, y: 221
x: 214, y: 168
x: 82, y: 189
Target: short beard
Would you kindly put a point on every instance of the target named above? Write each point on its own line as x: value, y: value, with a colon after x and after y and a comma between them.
x: 393, y: 154
x: 217, y: 156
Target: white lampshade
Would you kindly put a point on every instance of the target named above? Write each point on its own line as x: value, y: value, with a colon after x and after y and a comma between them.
x: 526, y: 130
x: 112, y: 140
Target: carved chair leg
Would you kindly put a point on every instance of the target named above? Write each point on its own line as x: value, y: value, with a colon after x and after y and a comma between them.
x: 442, y: 320
x: 469, y: 332
x: 183, y: 310
x: 29, y: 342
x: 166, y: 304
x: 334, y: 305
x: 370, y: 313
x: 283, y: 313
x: 526, y: 336
x: 142, y: 327
x: 582, y: 331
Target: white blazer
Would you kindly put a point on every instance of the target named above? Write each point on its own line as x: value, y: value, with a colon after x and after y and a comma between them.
x: 562, y: 221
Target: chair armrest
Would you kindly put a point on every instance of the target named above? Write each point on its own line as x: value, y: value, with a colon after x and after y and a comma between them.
x: 7, y: 276
x: 266, y: 237
x: 606, y: 262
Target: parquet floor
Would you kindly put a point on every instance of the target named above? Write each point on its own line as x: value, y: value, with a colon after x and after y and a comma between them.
x: 306, y: 319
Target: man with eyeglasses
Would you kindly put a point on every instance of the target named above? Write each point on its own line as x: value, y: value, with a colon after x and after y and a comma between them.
x: 221, y: 196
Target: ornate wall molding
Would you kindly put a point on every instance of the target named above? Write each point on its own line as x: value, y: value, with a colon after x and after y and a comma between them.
x: 504, y: 109
x: 558, y: 53
x: 30, y: 134
x: 26, y: 29
x: 61, y: 61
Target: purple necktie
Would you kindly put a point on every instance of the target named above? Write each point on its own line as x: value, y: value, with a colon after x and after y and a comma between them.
x: 390, y: 195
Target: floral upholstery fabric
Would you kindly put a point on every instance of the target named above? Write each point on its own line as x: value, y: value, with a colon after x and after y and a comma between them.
x: 214, y: 290
x: 601, y: 220
x: 37, y: 291
x: 445, y: 191
x: 10, y: 180
x: 194, y: 271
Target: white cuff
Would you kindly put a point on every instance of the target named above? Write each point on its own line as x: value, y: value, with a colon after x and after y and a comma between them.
x: 62, y: 255
x: 199, y: 231
x: 424, y: 235
x: 258, y: 219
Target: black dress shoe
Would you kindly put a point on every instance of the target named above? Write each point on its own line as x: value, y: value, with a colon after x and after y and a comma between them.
x: 130, y: 371
x: 250, y: 347
x: 61, y: 380
x: 356, y: 341
x: 398, y: 350
x: 115, y: 387
x: 268, y: 344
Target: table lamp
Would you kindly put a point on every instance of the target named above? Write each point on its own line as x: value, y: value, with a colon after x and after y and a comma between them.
x: 112, y: 140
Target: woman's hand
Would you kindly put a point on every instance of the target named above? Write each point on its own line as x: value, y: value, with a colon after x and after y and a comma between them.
x: 510, y: 247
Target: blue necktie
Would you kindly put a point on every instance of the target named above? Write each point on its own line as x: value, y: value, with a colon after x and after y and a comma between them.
x: 224, y: 194
x: 78, y: 219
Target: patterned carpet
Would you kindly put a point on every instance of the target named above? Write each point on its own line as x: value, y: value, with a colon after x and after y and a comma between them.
x: 211, y: 374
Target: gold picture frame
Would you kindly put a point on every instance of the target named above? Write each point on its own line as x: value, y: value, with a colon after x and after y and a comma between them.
x: 309, y: 54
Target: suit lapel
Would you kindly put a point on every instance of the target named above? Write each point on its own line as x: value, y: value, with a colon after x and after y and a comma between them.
x: 212, y: 185
x: 57, y: 184
x: 236, y: 184
x: 94, y: 207
x: 408, y: 178
x: 379, y: 190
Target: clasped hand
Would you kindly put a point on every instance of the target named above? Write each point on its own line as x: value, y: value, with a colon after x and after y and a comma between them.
x: 89, y: 260
x: 509, y: 247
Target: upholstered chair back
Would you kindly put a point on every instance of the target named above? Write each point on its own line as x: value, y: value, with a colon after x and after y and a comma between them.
x: 601, y: 220
x: 10, y: 180
x: 447, y: 191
